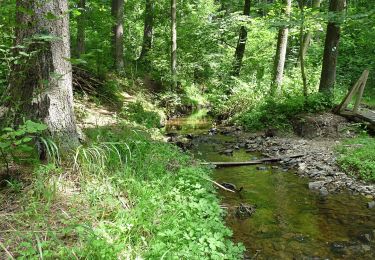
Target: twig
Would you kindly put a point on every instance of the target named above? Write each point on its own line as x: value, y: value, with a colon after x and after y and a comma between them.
x: 256, y: 254
x: 219, y: 185
x: 6, y: 250
x: 20, y: 231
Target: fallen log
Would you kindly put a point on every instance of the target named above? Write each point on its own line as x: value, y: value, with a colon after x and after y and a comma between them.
x: 253, y: 162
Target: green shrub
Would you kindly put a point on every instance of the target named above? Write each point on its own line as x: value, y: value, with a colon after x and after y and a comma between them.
x: 136, y: 112
x: 278, y: 113
x: 17, y: 144
x: 357, y: 157
x: 167, y: 207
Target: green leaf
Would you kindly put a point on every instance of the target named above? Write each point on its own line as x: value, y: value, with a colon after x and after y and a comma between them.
x: 33, y: 127
x: 24, y: 54
x: 4, y: 145
x: 8, y: 129
x: 19, y: 132
x: 26, y: 139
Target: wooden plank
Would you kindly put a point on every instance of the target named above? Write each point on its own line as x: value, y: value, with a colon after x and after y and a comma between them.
x: 364, y: 115
x: 350, y: 94
x: 367, y: 115
x: 253, y: 162
x: 360, y: 92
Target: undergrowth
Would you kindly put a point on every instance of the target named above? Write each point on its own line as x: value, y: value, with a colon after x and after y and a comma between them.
x: 127, y: 197
x: 279, y: 113
x: 357, y: 157
x: 136, y: 112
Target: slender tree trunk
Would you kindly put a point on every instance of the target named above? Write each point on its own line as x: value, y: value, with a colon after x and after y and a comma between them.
x: 118, y: 33
x: 148, y: 29
x: 328, y: 76
x: 174, y: 42
x: 308, y: 35
x: 81, y: 24
x: 302, y: 55
x: 241, y: 44
x: 279, y: 62
x: 41, y: 87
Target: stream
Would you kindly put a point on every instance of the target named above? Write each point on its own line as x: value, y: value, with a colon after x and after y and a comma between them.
x: 290, y: 221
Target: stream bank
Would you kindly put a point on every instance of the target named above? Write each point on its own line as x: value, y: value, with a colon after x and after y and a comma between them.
x: 318, y: 162
x: 290, y: 220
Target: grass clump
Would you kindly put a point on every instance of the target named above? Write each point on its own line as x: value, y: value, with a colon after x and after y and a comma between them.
x: 128, y: 197
x: 357, y: 157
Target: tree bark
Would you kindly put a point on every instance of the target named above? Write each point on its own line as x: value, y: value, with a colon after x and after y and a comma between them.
x: 328, y: 76
x: 241, y: 44
x: 81, y: 24
x: 279, y: 62
x: 148, y: 31
x: 118, y: 33
x: 41, y: 87
x: 174, y: 43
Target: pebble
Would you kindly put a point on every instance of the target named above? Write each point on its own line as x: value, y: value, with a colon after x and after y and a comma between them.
x: 323, y: 191
x: 337, y: 247
x: 366, y: 238
x: 316, y: 185
x: 366, y: 248
x: 371, y: 204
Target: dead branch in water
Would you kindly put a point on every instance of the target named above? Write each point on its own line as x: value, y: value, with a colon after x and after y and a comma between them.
x: 253, y: 162
x: 219, y: 185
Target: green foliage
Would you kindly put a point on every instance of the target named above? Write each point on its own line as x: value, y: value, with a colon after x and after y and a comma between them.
x: 356, y: 44
x: 157, y: 203
x: 136, y: 112
x: 278, y: 113
x: 98, y: 158
x: 169, y: 198
x: 6, y: 38
x: 357, y: 157
x: 42, y: 209
x: 17, y: 144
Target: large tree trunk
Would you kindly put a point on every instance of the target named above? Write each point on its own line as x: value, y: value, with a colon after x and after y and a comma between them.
x: 148, y: 29
x: 41, y: 87
x: 241, y: 44
x: 174, y: 42
x: 81, y: 22
x: 328, y: 76
x: 308, y: 35
x: 118, y: 33
x: 279, y: 62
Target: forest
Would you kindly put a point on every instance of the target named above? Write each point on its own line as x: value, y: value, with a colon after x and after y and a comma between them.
x: 187, y: 129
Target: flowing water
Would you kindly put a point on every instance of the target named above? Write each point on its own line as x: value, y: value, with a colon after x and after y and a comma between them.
x: 290, y: 222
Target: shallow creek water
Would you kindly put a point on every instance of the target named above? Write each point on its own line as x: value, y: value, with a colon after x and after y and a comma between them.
x: 290, y: 222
